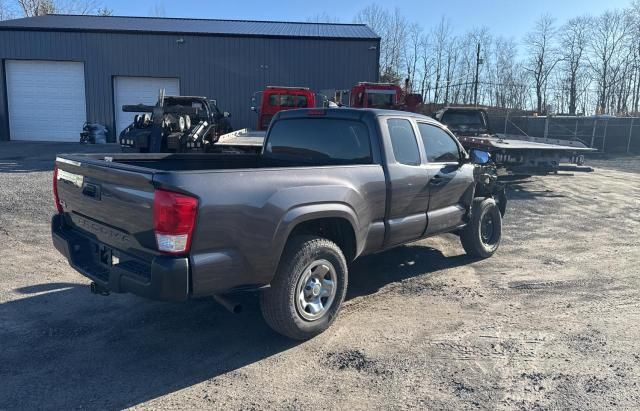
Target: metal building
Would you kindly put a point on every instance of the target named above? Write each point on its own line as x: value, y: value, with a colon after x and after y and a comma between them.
x: 58, y: 71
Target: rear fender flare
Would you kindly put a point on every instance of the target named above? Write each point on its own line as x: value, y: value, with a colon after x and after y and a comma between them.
x: 304, y: 213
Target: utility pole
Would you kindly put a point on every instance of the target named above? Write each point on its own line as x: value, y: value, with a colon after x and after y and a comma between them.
x: 475, y: 85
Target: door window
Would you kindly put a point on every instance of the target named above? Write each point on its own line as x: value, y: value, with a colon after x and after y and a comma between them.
x: 403, y: 141
x: 439, y: 146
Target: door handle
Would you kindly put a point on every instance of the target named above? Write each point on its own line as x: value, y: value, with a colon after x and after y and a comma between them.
x: 437, y: 180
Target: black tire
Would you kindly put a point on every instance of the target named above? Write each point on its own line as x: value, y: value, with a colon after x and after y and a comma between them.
x: 475, y: 242
x: 279, y: 302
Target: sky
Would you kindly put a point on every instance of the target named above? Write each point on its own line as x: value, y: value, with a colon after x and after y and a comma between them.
x: 508, y: 18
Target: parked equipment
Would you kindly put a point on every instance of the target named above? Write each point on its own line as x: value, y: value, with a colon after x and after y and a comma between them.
x: 516, y: 154
x: 241, y: 141
x: 93, y: 133
x: 384, y: 96
x: 274, y: 99
x: 175, y: 124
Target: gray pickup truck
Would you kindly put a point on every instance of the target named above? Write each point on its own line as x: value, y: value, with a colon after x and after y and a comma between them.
x: 330, y: 185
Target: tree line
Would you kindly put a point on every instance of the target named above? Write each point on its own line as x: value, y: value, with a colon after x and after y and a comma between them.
x: 11, y: 9
x: 588, y: 65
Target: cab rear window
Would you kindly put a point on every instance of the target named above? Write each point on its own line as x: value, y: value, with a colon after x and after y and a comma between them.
x: 320, y: 141
x: 287, y: 100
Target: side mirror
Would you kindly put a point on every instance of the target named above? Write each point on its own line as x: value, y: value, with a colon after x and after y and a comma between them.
x: 226, y: 114
x: 479, y: 156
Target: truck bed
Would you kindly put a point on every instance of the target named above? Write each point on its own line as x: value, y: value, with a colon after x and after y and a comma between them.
x: 184, y: 161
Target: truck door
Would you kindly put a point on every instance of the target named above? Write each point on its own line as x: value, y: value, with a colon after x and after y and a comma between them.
x: 451, y: 181
x: 408, y: 189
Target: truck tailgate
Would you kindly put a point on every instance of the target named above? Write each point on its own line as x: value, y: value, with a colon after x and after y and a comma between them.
x: 111, y: 203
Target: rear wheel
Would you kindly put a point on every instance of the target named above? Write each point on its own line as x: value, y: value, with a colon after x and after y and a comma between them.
x: 481, y: 237
x: 308, y: 289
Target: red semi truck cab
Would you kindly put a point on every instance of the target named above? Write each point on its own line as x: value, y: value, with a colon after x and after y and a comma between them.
x: 276, y: 98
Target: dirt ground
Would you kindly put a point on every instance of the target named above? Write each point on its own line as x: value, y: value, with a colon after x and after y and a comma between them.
x: 550, y: 322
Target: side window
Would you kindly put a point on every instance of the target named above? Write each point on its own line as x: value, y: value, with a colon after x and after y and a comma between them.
x: 403, y: 140
x: 438, y: 145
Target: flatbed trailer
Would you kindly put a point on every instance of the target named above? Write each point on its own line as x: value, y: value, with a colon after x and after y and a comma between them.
x: 515, y: 154
x: 532, y: 157
x: 243, y: 140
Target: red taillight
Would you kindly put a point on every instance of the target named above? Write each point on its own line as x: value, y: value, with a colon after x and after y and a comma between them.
x: 56, y: 198
x: 316, y: 112
x: 174, y: 216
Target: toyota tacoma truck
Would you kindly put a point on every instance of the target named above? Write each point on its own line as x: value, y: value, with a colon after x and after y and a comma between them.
x: 330, y: 186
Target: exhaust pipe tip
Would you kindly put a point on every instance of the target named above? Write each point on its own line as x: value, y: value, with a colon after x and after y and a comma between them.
x: 231, y: 306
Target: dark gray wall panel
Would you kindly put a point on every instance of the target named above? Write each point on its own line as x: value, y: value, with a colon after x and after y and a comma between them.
x: 229, y: 69
x: 4, y: 111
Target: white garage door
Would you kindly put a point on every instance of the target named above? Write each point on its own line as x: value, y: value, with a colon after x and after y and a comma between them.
x: 136, y: 90
x: 46, y: 100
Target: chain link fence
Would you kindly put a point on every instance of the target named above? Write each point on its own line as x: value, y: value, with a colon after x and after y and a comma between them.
x: 606, y: 134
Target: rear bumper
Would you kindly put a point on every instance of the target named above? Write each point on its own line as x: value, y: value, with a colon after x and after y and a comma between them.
x: 164, y: 278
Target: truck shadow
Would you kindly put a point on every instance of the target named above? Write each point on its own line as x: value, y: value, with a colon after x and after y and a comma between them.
x: 520, y: 191
x: 65, y: 348
x: 370, y: 273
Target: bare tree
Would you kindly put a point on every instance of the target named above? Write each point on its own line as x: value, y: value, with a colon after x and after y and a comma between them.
x: 588, y: 62
x: 453, y: 54
x: 573, y: 41
x: 441, y: 37
x: 464, y: 89
x: 104, y: 11
x: 634, y: 45
x: 392, y: 29
x: 31, y: 8
x: 6, y: 11
x: 377, y: 19
x: 323, y: 18
x: 157, y: 10
x: 542, y: 56
x: 397, y: 35
x: 480, y: 36
x: 412, y: 54
x: 503, y: 74
x: 609, y: 32
x: 426, y: 59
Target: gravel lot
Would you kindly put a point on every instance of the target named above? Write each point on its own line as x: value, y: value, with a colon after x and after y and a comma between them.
x: 551, y: 321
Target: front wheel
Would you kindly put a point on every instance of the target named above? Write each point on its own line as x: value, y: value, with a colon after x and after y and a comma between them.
x: 308, y: 289
x: 481, y: 237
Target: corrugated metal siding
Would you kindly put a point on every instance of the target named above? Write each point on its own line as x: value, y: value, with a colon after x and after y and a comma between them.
x: 201, y: 26
x: 4, y: 112
x: 229, y: 69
